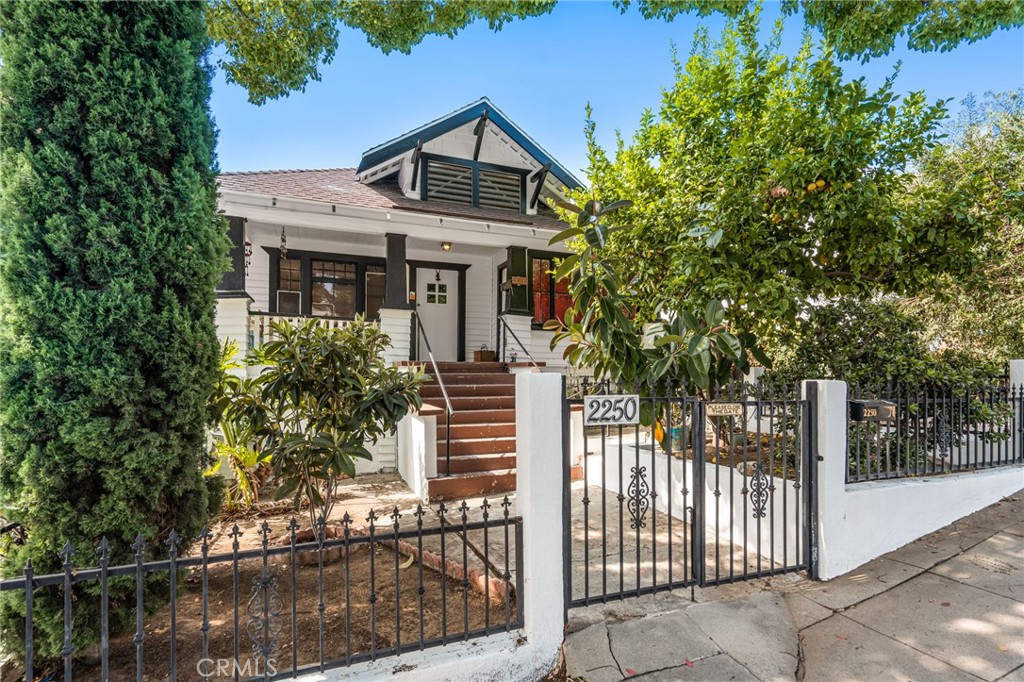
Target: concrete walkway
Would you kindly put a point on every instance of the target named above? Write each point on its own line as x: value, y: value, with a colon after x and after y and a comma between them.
x: 949, y: 606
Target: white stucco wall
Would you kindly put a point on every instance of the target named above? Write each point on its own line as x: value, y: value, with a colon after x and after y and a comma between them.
x: 861, y: 521
x: 417, y: 452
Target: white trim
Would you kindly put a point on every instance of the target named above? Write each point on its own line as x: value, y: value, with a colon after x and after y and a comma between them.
x: 303, y: 213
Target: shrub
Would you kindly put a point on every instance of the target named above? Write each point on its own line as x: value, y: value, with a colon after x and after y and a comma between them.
x: 234, y: 439
x: 111, y: 251
x: 324, y: 394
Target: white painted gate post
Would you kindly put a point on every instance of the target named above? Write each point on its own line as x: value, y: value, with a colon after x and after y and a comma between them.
x: 831, y: 429
x: 539, y: 478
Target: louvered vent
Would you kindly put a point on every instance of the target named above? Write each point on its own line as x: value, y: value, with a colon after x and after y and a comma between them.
x: 448, y: 182
x: 499, y: 190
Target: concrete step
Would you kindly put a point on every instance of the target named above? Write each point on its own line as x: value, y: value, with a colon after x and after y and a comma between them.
x: 501, y: 402
x: 471, y: 484
x: 465, y: 367
x: 506, y: 416
x: 477, y: 446
x: 473, y: 431
x: 433, y: 390
x: 461, y: 464
x: 476, y: 378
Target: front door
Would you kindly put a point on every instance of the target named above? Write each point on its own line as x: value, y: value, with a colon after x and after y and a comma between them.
x: 437, y: 302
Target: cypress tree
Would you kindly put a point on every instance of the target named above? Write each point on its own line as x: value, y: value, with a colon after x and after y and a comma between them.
x: 110, y: 249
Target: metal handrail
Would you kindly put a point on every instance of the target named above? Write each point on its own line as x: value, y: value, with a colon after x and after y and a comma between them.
x: 449, y: 410
x: 508, y: 330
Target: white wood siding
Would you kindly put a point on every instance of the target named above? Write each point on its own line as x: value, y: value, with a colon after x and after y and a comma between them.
x: 481, y: 291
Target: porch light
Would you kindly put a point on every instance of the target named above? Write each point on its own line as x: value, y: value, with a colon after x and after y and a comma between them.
x: 446, y: 246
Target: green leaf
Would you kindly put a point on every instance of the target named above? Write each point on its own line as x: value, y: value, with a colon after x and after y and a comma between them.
x: 566, y: 266
x: 714, y: 313
x: 760, y: 356
x: 729, y: 345
x: 667, y: 339
x: 616, y: 205
x: 715, y: 238
x: 565, y: 234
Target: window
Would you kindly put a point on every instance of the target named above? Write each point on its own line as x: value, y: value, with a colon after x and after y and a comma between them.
x: 375, y: 283
x: 472, y: 184
x: 323, y: 285
x: 550, y: 298
x: 289, y: 289
x: 334, y: 289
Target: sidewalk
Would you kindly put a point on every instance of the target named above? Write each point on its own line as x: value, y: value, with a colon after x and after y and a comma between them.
x: 949, y: 606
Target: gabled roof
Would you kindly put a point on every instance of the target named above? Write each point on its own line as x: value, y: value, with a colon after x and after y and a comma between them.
x: 340, y: 186
x: 471, y: 112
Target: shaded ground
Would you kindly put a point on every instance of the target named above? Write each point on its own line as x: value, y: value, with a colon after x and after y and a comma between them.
x: 352, y: 624
x: 947, y: 607
x: 611, y: 553
x: 360, y: 596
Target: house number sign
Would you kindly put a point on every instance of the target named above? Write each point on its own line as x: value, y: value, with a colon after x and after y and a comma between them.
x: 616, y: 410
x: 872, y: 411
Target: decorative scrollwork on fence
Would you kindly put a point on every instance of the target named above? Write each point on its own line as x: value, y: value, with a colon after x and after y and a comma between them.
x: 943, y: 437
x: 638, y: 491
x: 759, y: 491
x: 264, y: 623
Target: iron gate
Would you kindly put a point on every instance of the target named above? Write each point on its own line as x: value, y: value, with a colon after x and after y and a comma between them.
x: 698, y: 492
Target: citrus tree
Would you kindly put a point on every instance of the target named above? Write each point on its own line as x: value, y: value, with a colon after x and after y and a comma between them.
x: 605, y: 328
x: 771, y: 182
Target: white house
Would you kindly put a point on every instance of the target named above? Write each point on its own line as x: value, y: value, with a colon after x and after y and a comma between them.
x: 450, y: 220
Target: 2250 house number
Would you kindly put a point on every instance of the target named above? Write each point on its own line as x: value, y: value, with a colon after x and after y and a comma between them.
x: 604, y: 410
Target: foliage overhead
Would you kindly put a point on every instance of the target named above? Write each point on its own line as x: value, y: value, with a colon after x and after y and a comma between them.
x: 688, y: 347
x: 111, y: 251
x: 984, y: 319
x: 771, y: 182
x: 868, y: 28
x: 277, y: 46
x: 323, y: 395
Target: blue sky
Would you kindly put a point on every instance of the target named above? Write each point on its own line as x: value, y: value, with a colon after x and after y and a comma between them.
x: 541, y: 72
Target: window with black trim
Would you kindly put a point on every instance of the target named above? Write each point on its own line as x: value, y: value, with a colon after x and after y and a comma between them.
x: 289, y: 288
x: 549, y: 299
x: 375, y: 284
x: 321, y: 285
x: 333, y: 289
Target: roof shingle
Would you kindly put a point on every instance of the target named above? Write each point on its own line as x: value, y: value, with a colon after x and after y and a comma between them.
x: 340, y: 186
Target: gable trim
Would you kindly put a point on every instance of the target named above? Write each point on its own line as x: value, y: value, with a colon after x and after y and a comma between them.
x: 403, y: 144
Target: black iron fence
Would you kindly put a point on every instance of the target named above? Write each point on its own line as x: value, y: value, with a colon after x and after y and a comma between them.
x: 696, y: 491
x: 277, y: 607
x: 936, y: 430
